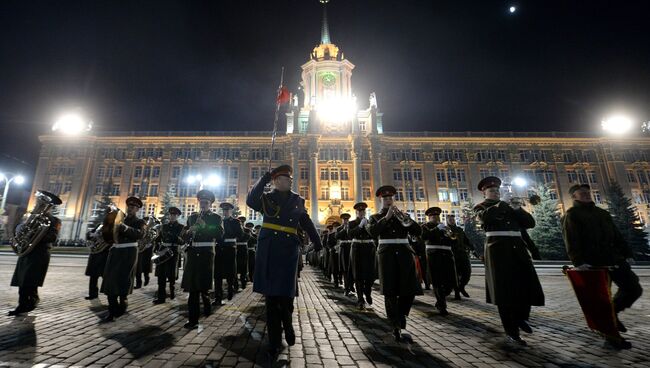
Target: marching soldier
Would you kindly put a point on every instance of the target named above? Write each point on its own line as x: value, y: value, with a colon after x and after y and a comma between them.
x: 345, y: 242
x: 31, y: 267
x: 278, y: 249
x: 397, y: 272
x: 242, y: 255
x: 170, y: 238
x: 461, y: 248
x: 225, y: 255
x: 144, y: 261
x: 334, y: 263
x: 251, y: 244
x: 421, y: 251
x: 512, y: 282
x: 592, y: 239
x: 362, y: 255
x: 325, y: 253
x: 117, y: 281
x: 203, y: 229
x: 440, y: 258
x: 95, y: 266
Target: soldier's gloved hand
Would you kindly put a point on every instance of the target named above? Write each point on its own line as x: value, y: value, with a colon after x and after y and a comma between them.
x: 583, y: 267
x: 266, y: 178
x: 630, y: 261
x: 364, y: 222
x: 441, y: 226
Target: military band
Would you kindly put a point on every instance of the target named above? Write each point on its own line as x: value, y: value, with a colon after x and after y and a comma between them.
x: 145, y: 252
x: 119, y: 273
x: 388, y: 245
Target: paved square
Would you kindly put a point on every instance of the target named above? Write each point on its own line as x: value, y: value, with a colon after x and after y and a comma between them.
x: 65, y: 329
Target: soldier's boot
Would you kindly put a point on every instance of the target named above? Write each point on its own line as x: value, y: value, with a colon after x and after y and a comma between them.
x: 457, y: 294
x: 124, y: 304
x: 207, y: 308
x: 441, y: 302
x: 231, y: 288
x: 462, y: 291
x: 146, y: 279
x: 618, y: 343
x: 138, y: 282
x: 172, y: 291
x: 243, y: 281
x: 93, y: 290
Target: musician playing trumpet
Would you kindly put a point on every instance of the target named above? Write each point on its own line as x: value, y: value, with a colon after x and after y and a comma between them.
x: 397, y: 271
x: 32, y: 265
x: 512, y: 282
x: 167, y: 272
x: 439, y: 240
x: 119, y: 273
x: 202, y: 231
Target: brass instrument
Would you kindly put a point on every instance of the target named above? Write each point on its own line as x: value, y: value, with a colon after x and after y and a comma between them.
x: 97, y: 244
x: 534, y: 200
x: 188, y: 232
x: 111, y: 226
x: 152, y: 230
x: 402, y: 217
x: 37, y: 225
x: 449, y: 233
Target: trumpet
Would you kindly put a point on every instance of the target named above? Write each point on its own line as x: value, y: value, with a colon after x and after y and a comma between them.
x: 403, y: 218
x: 188, y: 232
x: 534, y: 200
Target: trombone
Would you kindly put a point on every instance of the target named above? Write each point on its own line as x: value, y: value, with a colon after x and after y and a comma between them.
x: 403, y: 217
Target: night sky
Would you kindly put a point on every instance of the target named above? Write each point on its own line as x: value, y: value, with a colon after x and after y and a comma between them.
x: 214, y: 65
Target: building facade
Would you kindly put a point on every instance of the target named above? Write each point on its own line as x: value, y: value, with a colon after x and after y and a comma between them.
x: 340, y: 154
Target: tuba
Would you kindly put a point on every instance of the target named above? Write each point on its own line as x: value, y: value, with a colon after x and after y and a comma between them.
x: 96, y: 242
x: 37, y: 225
x: 152, y: 230
x: 111, y: 225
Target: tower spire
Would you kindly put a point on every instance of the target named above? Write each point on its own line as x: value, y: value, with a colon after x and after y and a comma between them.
x: 325, y: 30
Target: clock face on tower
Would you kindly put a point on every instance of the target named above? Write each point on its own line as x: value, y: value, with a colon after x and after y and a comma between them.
x: 328, y: 80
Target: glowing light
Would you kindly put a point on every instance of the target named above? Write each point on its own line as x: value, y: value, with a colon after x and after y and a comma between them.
x: 335, y: 192
x: 190, y: 179
x: 71, y: 124
x: 19, y: 179
x: 336, y: 110
x: 512, y: 9
x: 519, y: 181
x: 213, y: 181
x: 617, y: 124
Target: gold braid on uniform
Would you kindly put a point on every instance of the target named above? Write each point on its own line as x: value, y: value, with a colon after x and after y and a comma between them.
x: 264, y: 208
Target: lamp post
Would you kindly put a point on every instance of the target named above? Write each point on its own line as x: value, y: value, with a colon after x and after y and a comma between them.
x: 19, y: 179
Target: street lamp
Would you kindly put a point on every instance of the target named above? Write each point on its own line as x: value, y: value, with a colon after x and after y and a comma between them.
x: 519, y: 181
x: 18, y: 179
x: 72, y: 123
x: 617, y: 124
x: 211, y: 181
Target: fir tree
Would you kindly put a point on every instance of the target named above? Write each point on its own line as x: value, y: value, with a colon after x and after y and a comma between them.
x: 168, y: 200
x: 547, y: 233
x: 627, y: 221
x: 472, y: 227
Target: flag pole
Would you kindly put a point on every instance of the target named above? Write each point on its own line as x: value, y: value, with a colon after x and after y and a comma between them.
x: 275, y: 121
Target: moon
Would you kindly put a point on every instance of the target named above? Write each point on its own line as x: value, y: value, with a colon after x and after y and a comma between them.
x: 512, y: 9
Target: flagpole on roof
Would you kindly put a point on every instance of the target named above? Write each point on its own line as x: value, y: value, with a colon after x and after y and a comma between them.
x: 282, y: 95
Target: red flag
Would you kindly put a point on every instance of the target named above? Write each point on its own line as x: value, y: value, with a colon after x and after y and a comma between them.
x: 593, y: 290
x: 283, y: 95
x: 418, y: 268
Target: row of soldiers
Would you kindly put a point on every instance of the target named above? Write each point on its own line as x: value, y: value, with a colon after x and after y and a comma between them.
x: 348, y: 257
x: 234, y: 243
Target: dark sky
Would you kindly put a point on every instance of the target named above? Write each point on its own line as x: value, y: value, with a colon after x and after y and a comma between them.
x: 214, y: 65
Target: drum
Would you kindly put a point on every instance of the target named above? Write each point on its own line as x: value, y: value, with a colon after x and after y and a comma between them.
x: 162, y: 256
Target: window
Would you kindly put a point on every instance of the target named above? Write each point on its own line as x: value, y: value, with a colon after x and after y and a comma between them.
x: 99, y: 188
x: 156, y: 172
x: 592, y: 176
x: 440, y: 175
x: 137, y: 172
x: 642, y: 177
x: 146, y: 172
x: 304, y: 192
x: 345, y: 175
x: 399, y: 196
x: 365, y: 174
x: 304, y: 173
x: 417, y: 174
x: 397, y: 174
x: 419, y: 194
x: 234, y: 173
x: 345, y: 193
x: 460, y: 175
x: 552, y: 194
x: 232, y: 190
x: 151, y: 209
x: 323, y: 173
x: 117, y: 172
x: 136, y: 190
x: 597, y: 198
x: 303, y: 154
x: 443, y: 195
x: 463, y: 195
x: 334, y: 174
x: 100, y: 172
x: 367, y: 195
x: 259, y: 154
x: 324, y: 193
x: 253, y: 215
x: 189, y: 209
x: 409, y: 194
x: 115, y: 190
x: 573, y: 176
x: 176, y: 172
x: 153, y: 190
x: 419, y: 216
x: 630, y: 176
x: 67, y: 187
x: 362, y: 125
x: 97, y: 210
x: 255, y: 173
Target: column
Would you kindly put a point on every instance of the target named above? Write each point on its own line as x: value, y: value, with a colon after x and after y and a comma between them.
x: 375, y: 154
x: 356, y: 167
x: 313, y: 185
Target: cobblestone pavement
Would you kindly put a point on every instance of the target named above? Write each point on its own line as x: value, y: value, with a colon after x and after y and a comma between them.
x: 64, y: 330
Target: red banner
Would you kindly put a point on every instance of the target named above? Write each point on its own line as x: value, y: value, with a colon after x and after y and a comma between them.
x: 418, y: 268
x: 593, y: 290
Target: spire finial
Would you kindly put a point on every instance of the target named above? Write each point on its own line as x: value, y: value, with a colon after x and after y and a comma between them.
x: 325, y: 31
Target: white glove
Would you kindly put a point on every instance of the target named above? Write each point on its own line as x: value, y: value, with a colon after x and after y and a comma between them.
x: 630, y: 261
x: 441, y: 226
x: 364, y: 222
x: 583, y: 267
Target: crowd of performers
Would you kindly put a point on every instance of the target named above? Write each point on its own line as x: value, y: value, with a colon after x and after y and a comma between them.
x: 406, y: 257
